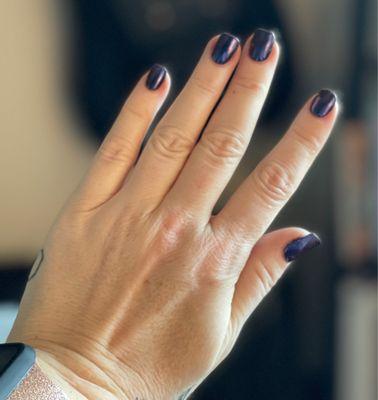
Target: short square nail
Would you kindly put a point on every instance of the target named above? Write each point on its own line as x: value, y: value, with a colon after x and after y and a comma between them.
x: 301, y: 245
x: 225, y: 48
x: 323, y: 103
x: 155, y: 77
x: 261, y: 44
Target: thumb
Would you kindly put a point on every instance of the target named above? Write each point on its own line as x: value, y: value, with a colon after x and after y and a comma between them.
x: 265, y: 265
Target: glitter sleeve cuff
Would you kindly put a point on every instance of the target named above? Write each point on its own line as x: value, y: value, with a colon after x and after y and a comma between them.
x: 36, y: 385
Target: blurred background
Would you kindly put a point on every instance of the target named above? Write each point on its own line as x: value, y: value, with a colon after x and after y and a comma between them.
x: 65, y: 70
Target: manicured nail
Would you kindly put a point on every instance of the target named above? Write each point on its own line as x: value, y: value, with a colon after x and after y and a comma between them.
x: 225, y: 48
x: 261, y: 44
x: 323, y: 103
x: 298, y: 246
x: 155, y: 77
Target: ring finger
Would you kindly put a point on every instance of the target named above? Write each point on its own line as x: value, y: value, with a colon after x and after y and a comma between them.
x: 255, y: 204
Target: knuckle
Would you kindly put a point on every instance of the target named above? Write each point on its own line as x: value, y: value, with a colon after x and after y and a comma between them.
x: 310, y: 140
x: 140, y: 113
x: 274, y: 181
x: 174, y: 226
x: 217, y: 273
x: 224, y: 143
x: 266, y: 277
x: 213, y: 276
x: 222, y: 263
x: 170, y: 140
x: 116, y: 148
x: 252, y: 86
x: 204, y: 86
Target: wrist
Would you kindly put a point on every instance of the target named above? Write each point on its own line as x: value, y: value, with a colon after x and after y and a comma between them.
x: 86, y: 382
x: 89, y: 376
x: 78, y: 378
x: 86, y: 370
x: 57, y: 375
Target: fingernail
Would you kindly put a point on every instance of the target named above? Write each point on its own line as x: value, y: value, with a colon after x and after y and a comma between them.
x: 261, y: 44
x: 155, y: 77
x: 225, y: 48
x: 298, y: 246
x: 323, y: 103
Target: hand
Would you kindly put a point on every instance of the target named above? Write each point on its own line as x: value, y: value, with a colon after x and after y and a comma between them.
x: 142, y: 292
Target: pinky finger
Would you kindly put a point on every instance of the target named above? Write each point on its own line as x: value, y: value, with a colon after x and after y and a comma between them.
x: 119, y: 150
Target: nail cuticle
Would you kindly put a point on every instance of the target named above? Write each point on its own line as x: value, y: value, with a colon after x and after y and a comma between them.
x: 225, y: 48
x: 155, y: 77
x: 301, y: 245
x: 261, y: 45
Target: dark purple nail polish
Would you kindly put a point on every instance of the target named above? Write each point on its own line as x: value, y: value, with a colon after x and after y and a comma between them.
x: 225, y: 48
x: 155, y: 77
x: 261, y: 44
x: 298, y: 246
x: 323, y: 103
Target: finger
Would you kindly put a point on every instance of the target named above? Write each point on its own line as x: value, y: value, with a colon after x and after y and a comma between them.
x: 177, y: 132
x: 121, y: 146
x: 255, y: 204
x: 226, y: 137
x: 266, y: 264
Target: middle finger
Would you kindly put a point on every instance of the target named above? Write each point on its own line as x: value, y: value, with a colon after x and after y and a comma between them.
x: 225, y: 139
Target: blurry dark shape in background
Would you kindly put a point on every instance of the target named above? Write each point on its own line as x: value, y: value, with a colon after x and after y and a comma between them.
x: 301, y: 342
x: 119, y: 40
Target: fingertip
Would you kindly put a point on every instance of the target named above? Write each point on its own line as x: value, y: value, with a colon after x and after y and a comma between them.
x: 279, y: 238
x: 291, y: 233
x: 324, y: 104
x: 223, y: 49
x: 287, y: 243
x: 300, y: 245
x: 156, y: 78
x: 262, y: 47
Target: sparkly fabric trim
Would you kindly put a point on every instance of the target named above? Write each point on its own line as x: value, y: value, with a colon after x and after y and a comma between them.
x: 36, y: 385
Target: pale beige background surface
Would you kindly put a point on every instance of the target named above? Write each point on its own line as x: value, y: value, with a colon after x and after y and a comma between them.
x: 43, y: 149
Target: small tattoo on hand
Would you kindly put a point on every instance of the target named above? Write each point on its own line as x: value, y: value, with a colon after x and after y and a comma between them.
x: 36, y: 265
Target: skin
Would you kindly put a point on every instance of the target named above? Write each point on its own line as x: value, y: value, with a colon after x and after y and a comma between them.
x: 142, y: 292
